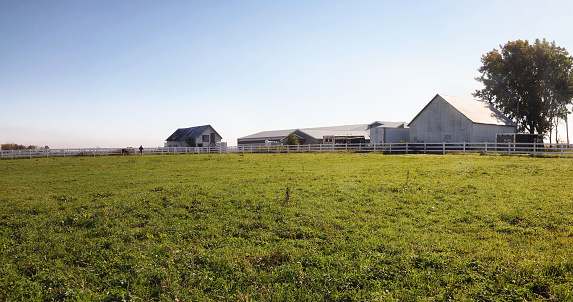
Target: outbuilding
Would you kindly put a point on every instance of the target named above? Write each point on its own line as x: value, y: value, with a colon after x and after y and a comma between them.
x: 389, y: 132
x: 198, y: 136
x: 455, y: 119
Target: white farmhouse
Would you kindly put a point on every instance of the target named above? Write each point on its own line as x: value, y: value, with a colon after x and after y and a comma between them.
x: 200, y: 136
x: 456, y: 119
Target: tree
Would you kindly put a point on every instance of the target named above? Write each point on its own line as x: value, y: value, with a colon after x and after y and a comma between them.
x: 12, y: 146
x: 292, y: 139
x: 190, y: 142
x: 530, y: 83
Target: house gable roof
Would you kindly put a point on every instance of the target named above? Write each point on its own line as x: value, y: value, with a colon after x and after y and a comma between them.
x: 476, y: 111
x: 182, y: 134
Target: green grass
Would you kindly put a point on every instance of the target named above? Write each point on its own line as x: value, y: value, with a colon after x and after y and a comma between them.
x: 299, y: 227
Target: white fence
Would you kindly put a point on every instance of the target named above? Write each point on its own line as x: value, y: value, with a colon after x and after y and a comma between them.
x: 390, y: 148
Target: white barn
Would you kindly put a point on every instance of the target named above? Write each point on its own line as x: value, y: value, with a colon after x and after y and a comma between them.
x: 455, y: 119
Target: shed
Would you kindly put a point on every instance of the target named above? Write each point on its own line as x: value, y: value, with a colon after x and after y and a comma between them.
x: 455, y: 119
x: 389, y: 132
x: 199, y: 136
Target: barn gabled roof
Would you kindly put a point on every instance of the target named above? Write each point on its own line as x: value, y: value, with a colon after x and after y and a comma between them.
x: 476, y: 111
x: 182, y: 134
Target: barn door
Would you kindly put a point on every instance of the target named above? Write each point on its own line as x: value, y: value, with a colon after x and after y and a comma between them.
x: 213, y: 139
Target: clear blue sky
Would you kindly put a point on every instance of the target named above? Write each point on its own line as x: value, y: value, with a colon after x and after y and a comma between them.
x: 124, y: 73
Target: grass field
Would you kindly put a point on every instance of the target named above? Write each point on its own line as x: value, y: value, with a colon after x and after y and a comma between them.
x: 278, y: 227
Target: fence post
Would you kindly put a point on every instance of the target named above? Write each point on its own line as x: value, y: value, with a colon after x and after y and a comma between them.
x: 561, y: 150
x: 443, y: 148
x: 464, y: 148
x: 406, y: 148
x: 485, y: 148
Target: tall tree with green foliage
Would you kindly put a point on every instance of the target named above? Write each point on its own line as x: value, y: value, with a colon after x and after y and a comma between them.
x: 530, y: 83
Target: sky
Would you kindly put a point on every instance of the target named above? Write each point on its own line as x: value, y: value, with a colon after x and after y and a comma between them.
x: 84, y: 74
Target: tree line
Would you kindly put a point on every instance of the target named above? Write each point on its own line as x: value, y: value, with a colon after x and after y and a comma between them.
x: 530, y: 83
x: 11, y: 146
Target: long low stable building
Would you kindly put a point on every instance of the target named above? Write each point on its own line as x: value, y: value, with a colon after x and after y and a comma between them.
x: 377, y: 132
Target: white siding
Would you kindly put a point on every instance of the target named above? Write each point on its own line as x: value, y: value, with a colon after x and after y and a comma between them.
x: 176, y: 144
x: 381, y: 135
x: 208, y: 142
x: 397, y: 135
x: 487, y: 133
x: 440, y: 122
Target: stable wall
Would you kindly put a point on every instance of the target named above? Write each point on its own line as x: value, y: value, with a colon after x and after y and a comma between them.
x: 440, y: 122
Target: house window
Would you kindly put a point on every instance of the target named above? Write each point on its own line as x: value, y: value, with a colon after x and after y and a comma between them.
x: 206, y: 138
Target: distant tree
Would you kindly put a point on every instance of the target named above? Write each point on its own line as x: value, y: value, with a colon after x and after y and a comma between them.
x: 190, y: 142
x: 292, y: 139
x: 11, y: 146
x: 530, y: 83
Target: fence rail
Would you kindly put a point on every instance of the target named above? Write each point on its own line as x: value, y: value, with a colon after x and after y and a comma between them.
x: 389, y: 148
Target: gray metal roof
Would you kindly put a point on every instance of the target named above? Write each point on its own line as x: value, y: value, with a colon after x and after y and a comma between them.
x: 477, y: 111
x: 321, y: 133
x: 279, y: 134
x: 378, y: 124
